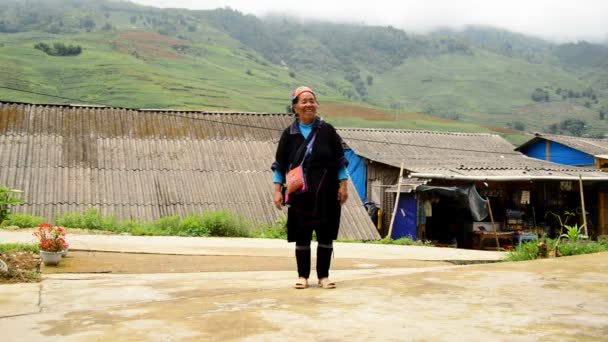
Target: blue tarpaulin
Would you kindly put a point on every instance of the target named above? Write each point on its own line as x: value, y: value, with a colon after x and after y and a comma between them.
x: 357, y: 169
x: 405, y: 218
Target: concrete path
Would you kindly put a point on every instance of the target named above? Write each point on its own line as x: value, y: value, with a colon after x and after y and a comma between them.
x: 252, y: 247
x: 563, y: 299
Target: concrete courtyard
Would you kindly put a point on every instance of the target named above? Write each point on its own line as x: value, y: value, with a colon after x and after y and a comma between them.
x: 390, y: 293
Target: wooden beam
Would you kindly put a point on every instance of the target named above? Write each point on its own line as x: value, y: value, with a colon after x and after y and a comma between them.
x: 400, y: 179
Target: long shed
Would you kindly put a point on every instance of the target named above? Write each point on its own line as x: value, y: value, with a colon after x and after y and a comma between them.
x: 146, y: 164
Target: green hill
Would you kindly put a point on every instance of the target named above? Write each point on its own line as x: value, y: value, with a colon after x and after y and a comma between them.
x: 141, y: 57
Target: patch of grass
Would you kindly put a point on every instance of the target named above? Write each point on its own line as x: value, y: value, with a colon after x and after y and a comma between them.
x: 91, y: 219
x: 529, y: 250
x: 222, y: 223
x: 582, y: 247
x: 193, y: 225
x: 278, y: 230
x: 219, y: 223
x: 6, y: 248
x: 22, y: 221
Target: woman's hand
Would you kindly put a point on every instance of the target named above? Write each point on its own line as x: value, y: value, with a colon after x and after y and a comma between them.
x: 278, y: 196
x: 343, y: 192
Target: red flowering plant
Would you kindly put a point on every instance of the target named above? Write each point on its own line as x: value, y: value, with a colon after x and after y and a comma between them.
x: 51, y: 239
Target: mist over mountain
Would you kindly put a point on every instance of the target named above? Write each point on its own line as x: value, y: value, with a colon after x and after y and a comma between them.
x: 123, y: 54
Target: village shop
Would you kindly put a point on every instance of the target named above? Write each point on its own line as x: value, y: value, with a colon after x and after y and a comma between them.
x: 449, y: 179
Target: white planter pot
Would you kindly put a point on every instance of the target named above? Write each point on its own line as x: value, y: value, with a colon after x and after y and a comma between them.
x: 50, y: 258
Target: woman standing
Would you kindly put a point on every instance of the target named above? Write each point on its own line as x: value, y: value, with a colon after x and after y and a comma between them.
x: 317, y: 147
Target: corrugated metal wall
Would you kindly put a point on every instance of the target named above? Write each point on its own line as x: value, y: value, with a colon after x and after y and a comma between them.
x: 147, y: 164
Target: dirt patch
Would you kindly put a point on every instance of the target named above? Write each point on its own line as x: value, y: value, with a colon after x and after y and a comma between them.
x: 107, y: 262
x: 336, y: 110
x: 148, y: 44
x: 149, y: 38
x: 23, y: 267
x: 505, y: 130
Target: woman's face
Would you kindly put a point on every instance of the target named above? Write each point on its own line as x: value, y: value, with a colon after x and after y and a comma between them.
x: 306, y: 107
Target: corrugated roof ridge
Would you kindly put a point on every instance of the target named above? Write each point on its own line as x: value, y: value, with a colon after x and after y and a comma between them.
x: 399, y: 130
x: 545, y: 135
x: 156, y: 110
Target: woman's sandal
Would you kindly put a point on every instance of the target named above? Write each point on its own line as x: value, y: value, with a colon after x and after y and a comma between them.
x: 302, y: 283
x: 325, y: 283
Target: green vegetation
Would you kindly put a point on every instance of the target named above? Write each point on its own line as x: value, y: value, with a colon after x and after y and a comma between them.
x: 530, y: 250
x: 221, y: 59
x: 22, y: 221
x: 278, y: 230
x: 219, y: 223
x: 6, y: 248
x: 8, y: 199
x: 59, y: 49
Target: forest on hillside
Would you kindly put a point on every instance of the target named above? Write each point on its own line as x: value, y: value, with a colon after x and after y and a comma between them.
x: 479, y: 73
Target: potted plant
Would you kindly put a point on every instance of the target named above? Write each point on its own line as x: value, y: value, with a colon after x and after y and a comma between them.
x: 51, y: 242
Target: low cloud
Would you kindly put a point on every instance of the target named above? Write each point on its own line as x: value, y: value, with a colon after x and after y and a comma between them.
x: 552, y: 20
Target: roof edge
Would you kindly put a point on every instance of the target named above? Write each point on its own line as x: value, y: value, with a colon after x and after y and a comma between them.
x: 505, y: 178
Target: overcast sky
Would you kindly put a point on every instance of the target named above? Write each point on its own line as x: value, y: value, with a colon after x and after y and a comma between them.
x: 557, y: 20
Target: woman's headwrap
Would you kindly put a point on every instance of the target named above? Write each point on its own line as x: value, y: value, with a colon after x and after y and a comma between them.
x: 299, y: 91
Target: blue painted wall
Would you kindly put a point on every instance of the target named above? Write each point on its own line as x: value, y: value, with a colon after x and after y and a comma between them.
x: 357, y: 169
x: 560, y: 154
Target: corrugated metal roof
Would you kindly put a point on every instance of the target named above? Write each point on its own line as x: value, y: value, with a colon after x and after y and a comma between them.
x: 147, y: 164
x: 456, y: 155
x: 595, y: 147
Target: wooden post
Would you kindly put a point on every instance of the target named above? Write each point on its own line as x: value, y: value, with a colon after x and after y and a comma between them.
x: 493, y: 225
x: 390, y: 227
x: 584, y: 213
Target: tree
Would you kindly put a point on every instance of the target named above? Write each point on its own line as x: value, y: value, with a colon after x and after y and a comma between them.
x: 43, y: 47
x: 575, y: 127
x: 87, y: 23
x: 517, y: 125
x: 59, y: 49
x: 551, y: 129
x: 540, y: 95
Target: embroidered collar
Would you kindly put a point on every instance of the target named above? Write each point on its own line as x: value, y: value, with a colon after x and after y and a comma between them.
x: 295, y: 126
